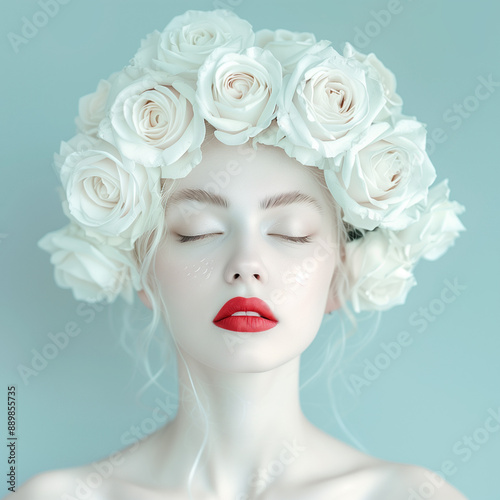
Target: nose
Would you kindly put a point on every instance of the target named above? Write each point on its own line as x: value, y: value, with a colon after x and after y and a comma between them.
x: 245, y: 264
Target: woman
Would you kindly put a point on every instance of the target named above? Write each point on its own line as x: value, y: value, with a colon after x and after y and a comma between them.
x: 242, y: 249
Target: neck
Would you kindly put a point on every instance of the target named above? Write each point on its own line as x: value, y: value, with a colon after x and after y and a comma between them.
x: 249, y: 421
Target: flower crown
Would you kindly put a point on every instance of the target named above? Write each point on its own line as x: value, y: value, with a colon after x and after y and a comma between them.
x: 339, y: 113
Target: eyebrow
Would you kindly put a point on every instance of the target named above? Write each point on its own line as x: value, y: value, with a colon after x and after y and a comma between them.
x: 277, y: 200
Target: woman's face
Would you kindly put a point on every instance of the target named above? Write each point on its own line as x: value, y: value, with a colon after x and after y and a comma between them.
x: 246, y: 252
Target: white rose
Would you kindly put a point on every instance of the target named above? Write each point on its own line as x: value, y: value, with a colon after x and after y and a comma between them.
x: 288, y: 46
x: 189, y: 39
x: 394, y: 103
x: 237, y: 92
x: 148, y: 51
x: 79, y: 142
x: 92, y: 107
x: 380, y: 275
x: 114, y: 199
x: 437, y: 228
x: 381, y: 179
x: 327, y: 102
x: 93, y: 271
x: 153, y: 121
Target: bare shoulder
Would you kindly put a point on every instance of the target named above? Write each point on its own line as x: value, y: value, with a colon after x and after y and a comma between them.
x: 41, y: 486
x: 100, y: 480
x: 89, y: 482
x: 347, y: 472
x: 56, y: 484
x: 393, y: 481
x: 413, y: 482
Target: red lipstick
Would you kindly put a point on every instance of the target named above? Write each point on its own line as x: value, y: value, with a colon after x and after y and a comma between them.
x: 244, y: 323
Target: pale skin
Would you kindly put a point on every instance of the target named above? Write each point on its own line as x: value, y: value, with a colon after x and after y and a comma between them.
x: 260, y: 446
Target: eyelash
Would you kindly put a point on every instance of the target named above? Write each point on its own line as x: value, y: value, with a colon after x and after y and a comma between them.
x: 295, y: 239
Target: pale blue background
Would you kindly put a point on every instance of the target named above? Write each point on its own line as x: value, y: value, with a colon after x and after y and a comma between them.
x: 441, y: 386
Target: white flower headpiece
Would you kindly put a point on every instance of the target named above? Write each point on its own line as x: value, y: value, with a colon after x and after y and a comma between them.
x: 339, y: 113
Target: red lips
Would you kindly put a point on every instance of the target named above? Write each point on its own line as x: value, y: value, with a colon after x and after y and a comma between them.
x: 245, y: 323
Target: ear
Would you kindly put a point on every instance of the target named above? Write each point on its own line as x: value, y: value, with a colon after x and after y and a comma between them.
x: 144, y: 298
x: 333, y: 301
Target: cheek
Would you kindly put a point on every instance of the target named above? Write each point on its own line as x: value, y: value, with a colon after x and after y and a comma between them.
x: 178, y: 279
x: 197, y: 272
x: 303, y: 287
x: 313, y: 272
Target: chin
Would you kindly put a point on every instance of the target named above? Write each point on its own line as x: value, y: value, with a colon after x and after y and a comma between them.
x: 245, y: 362
x: 246, y: 352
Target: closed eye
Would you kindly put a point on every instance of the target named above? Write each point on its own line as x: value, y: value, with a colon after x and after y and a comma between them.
x: 296, y: 239
x: 184, y: 239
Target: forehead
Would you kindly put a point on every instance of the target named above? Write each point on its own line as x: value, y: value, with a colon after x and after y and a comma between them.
x: 238, y: 172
